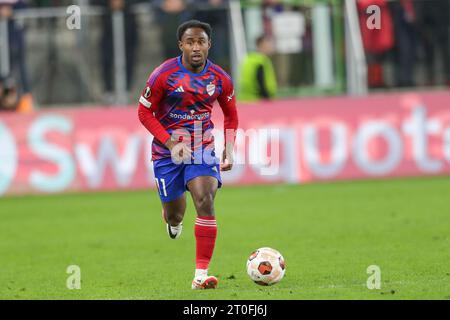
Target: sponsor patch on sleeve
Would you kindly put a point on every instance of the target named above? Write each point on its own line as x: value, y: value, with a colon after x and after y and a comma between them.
x: 144, y: 102
x: 147, y: 92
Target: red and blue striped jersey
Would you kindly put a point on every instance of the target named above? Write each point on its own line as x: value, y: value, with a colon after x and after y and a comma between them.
x: 181, y: 102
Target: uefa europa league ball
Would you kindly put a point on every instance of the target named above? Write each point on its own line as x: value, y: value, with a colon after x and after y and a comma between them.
x: 266, y: 266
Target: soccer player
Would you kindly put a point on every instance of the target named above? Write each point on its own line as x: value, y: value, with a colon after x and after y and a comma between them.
x: 176, y: 108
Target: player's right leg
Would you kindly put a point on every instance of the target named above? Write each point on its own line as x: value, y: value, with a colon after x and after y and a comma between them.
x: 169, y: 179
x: 173, y: 214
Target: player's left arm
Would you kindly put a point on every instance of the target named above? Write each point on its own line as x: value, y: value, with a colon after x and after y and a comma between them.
x: 227, y: 101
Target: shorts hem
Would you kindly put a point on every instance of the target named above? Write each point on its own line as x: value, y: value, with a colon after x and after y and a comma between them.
x: 171, y: 198
x: 204, y: 175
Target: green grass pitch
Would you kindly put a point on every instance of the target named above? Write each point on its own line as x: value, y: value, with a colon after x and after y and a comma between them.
x: 328, y: 233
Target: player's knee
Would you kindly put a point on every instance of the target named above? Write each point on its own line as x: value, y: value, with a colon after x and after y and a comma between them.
x: 205, y: 203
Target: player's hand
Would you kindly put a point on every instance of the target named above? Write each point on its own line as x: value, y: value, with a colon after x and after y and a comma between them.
x: 179, y: 151
x: 227, y: 160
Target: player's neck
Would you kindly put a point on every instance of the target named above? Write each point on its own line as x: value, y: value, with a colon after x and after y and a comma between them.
x: 192, y: 69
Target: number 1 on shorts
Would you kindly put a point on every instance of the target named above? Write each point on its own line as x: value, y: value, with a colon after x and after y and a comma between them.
x: 163, y: 182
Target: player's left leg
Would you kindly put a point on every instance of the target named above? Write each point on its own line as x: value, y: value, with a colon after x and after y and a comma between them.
x: 203, y: 190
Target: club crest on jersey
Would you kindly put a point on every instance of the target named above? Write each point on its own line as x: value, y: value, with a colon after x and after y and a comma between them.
x: 147, y: 92
x: 210, y: 88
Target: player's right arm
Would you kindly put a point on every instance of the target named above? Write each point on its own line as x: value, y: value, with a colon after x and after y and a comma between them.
x: 149, y: 103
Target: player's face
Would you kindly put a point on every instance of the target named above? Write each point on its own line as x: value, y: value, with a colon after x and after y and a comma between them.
x: 195, y: 45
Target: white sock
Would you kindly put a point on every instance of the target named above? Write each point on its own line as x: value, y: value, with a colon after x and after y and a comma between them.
x: 201, y: 273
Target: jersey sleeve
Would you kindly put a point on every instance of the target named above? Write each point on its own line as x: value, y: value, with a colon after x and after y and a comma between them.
x: 227, y: 101
x: 149, y: 103
x: 153, y: 92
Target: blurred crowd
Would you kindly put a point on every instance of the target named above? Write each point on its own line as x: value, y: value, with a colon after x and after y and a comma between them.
x: 169, y: 14
x: 15, y: 90
x: 412, y: 30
